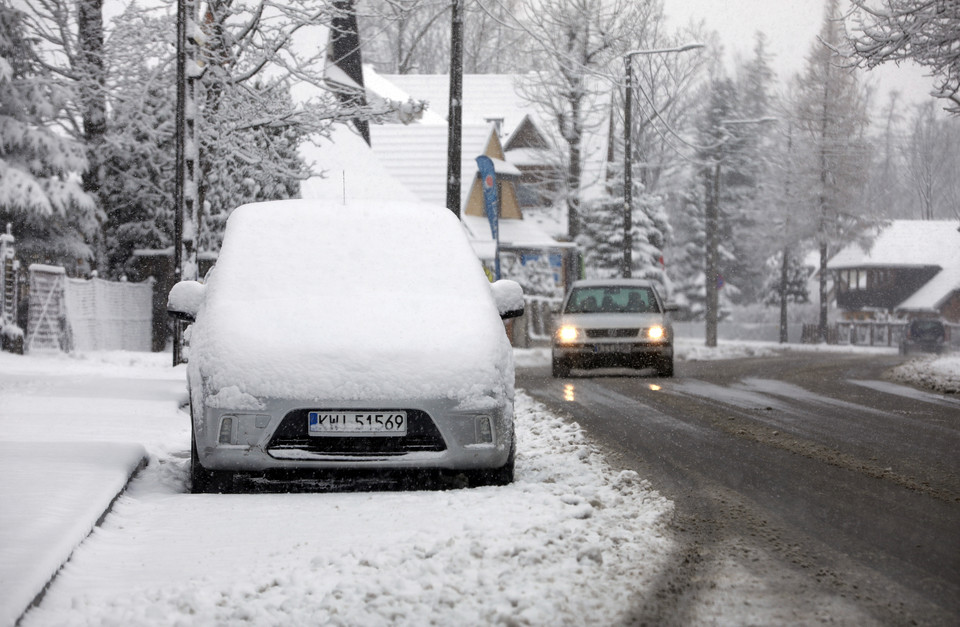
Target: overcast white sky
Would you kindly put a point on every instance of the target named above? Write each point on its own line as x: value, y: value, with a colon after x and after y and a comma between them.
x: 791, y: 27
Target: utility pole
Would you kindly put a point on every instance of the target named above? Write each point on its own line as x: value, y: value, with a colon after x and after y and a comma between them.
x: 454, y: 118
x: 626, y: 269
x: 187, y: 153
x: 712, y: 218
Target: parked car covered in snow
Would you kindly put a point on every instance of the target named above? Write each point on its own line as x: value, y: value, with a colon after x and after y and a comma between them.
x: 927, y: 335
x: 360, y: 336
x: 613, y: 322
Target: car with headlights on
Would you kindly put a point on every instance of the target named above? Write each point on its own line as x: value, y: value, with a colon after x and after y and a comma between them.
x: 336, y: 337
x: 613, y: 323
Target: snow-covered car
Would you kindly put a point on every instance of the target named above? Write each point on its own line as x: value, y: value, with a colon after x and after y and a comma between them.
x: 360, y: 336
x: 613, y: 323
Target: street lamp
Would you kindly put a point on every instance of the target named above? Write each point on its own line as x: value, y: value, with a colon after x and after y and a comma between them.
x: 627, y: 151
x: 712, y: 219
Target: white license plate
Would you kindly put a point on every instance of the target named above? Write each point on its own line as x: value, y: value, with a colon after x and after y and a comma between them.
x: 610, y: 348
x: 323, y: 423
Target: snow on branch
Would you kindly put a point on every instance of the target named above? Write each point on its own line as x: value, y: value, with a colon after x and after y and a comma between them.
x: 924, y: 31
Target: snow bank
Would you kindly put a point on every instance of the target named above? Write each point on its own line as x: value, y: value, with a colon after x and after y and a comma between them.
x: 940, y: 373
x: 52, y: 495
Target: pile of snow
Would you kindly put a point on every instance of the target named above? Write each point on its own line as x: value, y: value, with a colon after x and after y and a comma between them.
x: 939, y: 373
x: 570, y: 539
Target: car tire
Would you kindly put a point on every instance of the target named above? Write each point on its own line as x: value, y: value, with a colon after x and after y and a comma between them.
x: 561, y: 368
x: 203, y: 481
x: 665, y: 368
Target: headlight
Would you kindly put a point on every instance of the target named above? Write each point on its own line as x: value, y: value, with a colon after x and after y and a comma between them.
x: 568, y: 333
x: 656, y: 333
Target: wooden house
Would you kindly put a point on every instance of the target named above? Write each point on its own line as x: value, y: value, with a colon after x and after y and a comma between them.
x: 910, y: 269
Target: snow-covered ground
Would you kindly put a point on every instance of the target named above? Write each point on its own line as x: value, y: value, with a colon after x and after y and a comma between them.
x: 570, y: 538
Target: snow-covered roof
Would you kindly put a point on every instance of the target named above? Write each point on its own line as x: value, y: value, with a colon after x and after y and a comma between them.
x: 416, y: 155
x: 351, y: 171
x: 905, y: 244
x: 513, y: 233
x: 912, y: 244
x: 485, y: 96
x: 933, y: 294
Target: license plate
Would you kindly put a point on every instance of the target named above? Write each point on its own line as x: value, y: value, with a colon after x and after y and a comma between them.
x: 609, y: 348
x: 387, y: 423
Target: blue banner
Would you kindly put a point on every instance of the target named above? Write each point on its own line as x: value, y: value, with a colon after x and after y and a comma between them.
x: 491, y: 202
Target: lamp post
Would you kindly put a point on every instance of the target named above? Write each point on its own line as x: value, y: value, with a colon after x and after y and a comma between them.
x: 712, y: 218
x: 628, y: 149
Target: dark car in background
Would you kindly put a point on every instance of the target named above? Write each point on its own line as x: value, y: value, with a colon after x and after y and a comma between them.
x: 927, y: 335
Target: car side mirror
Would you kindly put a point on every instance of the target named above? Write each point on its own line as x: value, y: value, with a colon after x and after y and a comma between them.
x: 509, y: 298
x: 184, y: 300
x: 669, y: 307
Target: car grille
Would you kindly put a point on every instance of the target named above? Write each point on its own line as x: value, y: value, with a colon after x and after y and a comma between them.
x: 601, y: 333
x: 422, y: 435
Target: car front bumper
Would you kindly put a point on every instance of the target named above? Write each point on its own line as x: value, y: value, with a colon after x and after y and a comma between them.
x: 441, y: 435
x: 601, y: 354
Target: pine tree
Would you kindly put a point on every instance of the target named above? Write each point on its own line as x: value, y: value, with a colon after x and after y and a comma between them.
x: 40, y: 194
x: 794, y: 288
x: 830, y: 111
x: 601, y: 235
x: 686, y: 263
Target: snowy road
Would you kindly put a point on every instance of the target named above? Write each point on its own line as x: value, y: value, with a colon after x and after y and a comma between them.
x: 571, y: 538
x: 808, y: 488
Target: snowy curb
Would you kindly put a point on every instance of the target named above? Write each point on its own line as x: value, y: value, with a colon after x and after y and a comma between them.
x: 54, y: 496
x: 936, y: 373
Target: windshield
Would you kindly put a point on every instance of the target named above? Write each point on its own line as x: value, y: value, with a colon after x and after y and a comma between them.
x: 926, y: 328
x: 612, y: 299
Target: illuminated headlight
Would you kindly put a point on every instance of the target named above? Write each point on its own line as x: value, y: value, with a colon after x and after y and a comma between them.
x: 656, y: 333
x: 567, y: 334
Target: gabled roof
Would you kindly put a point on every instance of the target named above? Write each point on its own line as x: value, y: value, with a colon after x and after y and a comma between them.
x: 488, y: 97
x: 485, y: 96
x: 350, y: 171
x: 912, y: 244
x: 416, y: 155
x: 905, y: 244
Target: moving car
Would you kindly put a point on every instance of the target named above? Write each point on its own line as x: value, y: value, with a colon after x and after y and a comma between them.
x: 927, y: 335
x: 361, y: 336
x: 613, y: 322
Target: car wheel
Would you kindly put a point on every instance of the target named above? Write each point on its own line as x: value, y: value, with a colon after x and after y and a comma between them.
x: 561, y: 368
x: 665, y: 369
x: 203, y: 481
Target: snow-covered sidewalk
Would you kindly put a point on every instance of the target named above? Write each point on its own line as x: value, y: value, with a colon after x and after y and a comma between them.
x: 570, y: 538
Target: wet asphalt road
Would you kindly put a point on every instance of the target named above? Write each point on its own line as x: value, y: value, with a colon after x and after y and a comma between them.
x: 838, y: 483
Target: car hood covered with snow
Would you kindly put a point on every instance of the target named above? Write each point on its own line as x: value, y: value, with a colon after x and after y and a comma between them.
x: 365, y: 301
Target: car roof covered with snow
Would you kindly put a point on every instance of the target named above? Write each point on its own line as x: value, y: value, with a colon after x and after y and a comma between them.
x: 312, y: 299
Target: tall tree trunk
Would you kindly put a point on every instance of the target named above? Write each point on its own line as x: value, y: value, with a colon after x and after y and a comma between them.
x: 574, y: 169
x: 784, y: 276
x: 94, y: 104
